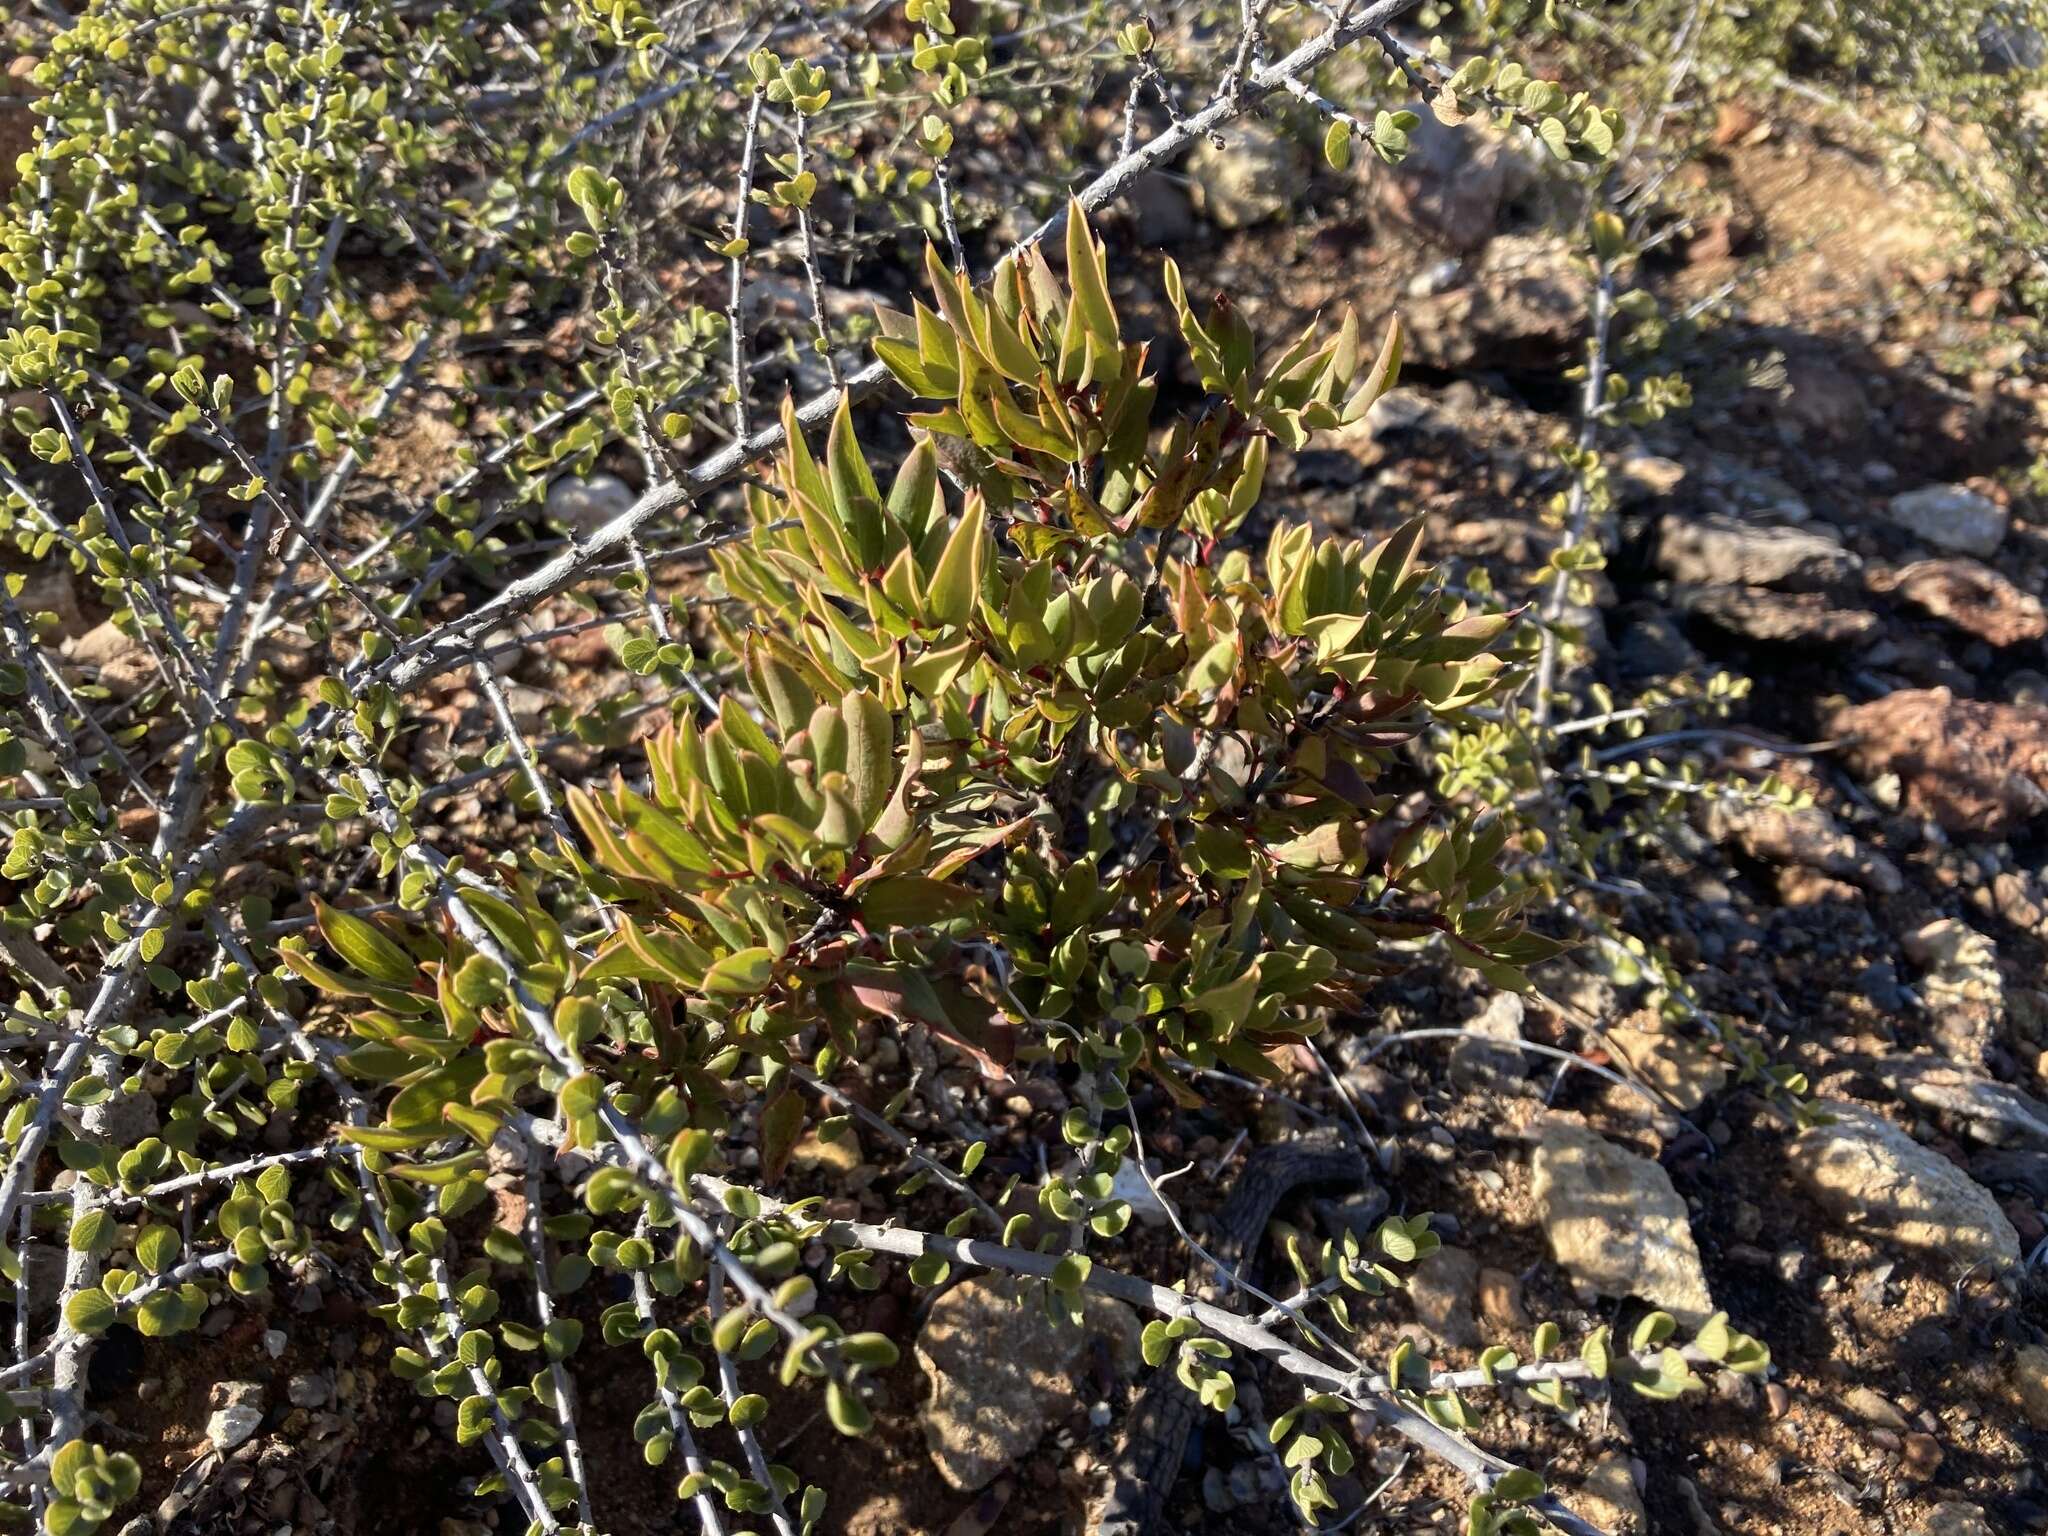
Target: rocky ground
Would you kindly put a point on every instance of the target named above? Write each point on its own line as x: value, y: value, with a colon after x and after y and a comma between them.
x: 1835, y: 521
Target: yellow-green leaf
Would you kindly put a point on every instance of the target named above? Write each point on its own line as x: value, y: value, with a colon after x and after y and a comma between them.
x: 358, y: 942
x: 741, y: 974
x: 956, y: 583
x: 1087, y: 278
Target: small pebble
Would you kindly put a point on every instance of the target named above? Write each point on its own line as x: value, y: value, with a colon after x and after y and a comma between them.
x: 237, y: 1413
x: 307, y: 1389
x: 1923, y: 1455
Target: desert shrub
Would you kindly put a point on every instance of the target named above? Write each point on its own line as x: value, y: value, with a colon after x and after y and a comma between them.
x: 1953, y: 90
x: 988, y: 724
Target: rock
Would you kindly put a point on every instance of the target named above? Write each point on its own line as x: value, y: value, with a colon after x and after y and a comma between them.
x: 587, y: 504
x: 1441, y: 1289
x: 1875, y: 1408
x: 1807, y: 836
x: 1403, y: 413
x: 1496, y: 439
x: 1715, y: 240
x: 1871, y: 1176
x: 1673, y: 1065
x: 1974, y: 598
x: 1652, y: 646
x: 2016, y: 897
x: 120, y: 1118
x: 1608, y: 1497
x: 1002, y: 1372
x: 1736, y: 486
x: 1716, y: 550
x: 51, y: 589
x: 1456, y: 180
x: 2026, y: 686
x: 1161, y: 212
x: 1806, y: 888
x: 1325, y: 469
x: 2009, y: 47
x: 1822, y: 400
x: 1499, y: 1295
x: 1979, y: 769
x: 1950, y: 517
x: 1520, y: 309
x: 1509, y: 539
x: 1993, y: 1113
x: 1962, y: 988
x: 237, y: 1413
x: 1922, y: 1454
x: 308, y: 1389
x: 120, y: 663
x: 2030, y: 1383
x: 1777, y: 618
x: 1695, y: 1508
x: 841, y: 1155
x: 1475, y: 1063
x: 1641, y: 477
x: 1955, y: 1519
x: 1735, y: 123
x: 1131, y: 1187
x: 1614, y: 1222
x: 1252, y: 178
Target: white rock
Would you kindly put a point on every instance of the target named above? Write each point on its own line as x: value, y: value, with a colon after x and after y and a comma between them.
x: 588, y: 504
x: 308, y: 1389
x: 1954, y: 1519
x: 1129, y: 1185
x: 1951, y: 517
x: 237, y: 1413
x: 1725, y: 550
x: 1961, y: 985
x: 1609, y: 1499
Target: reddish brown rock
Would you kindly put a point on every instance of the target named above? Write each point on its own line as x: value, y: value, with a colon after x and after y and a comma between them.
x: 1974, y: 598
x: 1979, y: 769
x: 1735, y: 123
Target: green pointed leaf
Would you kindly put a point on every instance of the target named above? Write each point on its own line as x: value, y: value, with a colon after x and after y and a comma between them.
x: 1088, y: 279
x: 359, y: 942
x: 956, y: 581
